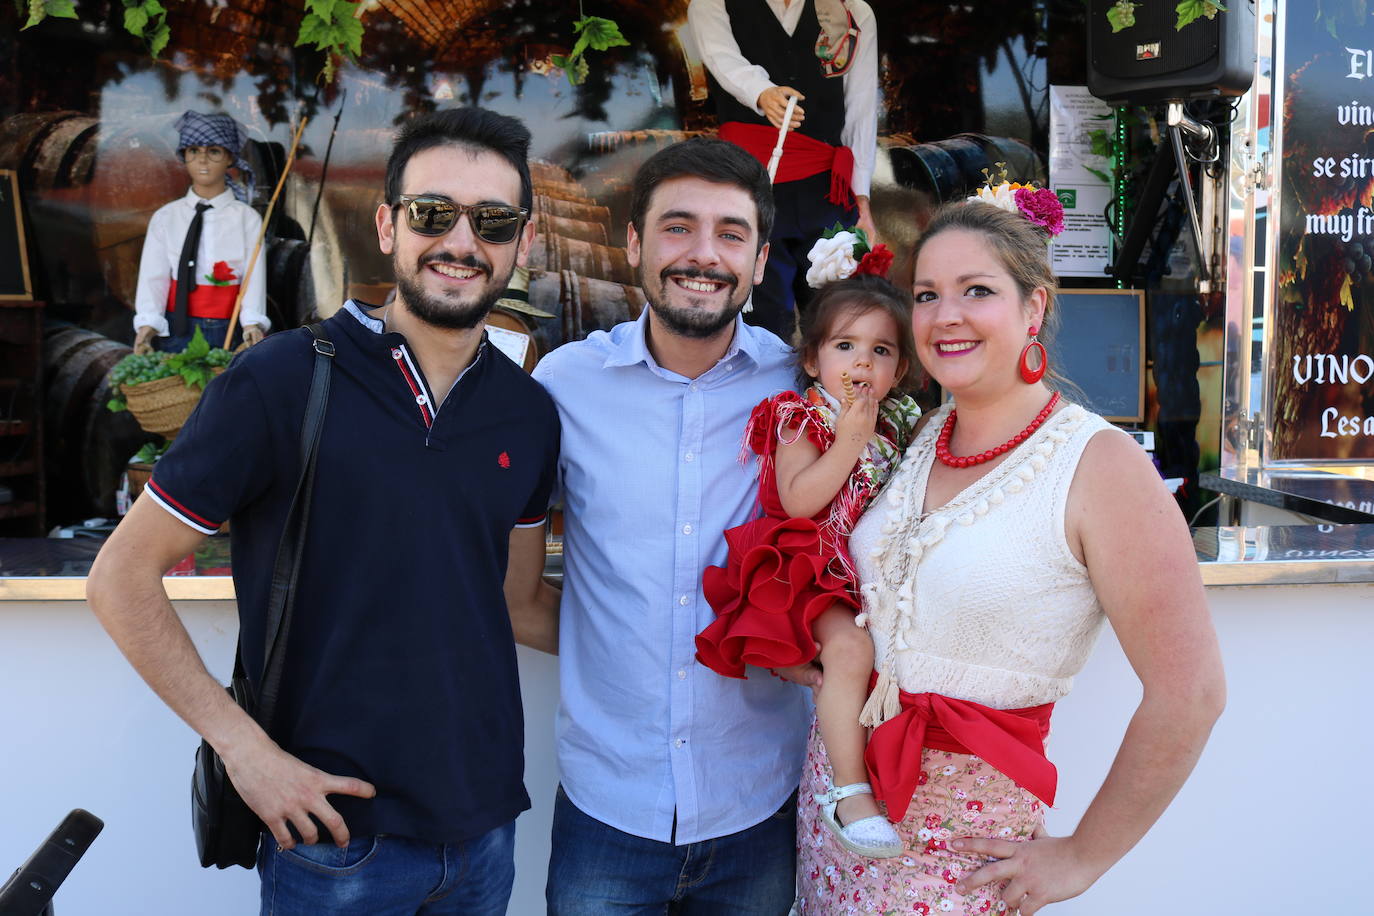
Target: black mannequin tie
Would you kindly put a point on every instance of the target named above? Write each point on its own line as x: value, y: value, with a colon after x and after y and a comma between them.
x: 186, y: 273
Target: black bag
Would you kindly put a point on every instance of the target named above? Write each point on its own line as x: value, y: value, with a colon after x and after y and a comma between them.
x: 226, y: 829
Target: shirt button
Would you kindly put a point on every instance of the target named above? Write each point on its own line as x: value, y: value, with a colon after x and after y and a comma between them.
x: 682, y: 674
x: 421, y: 399
x: 396, y: 353
x: 679, y: 742
x: 689, y: 457
x: 686, y: 529
x: 693, y: 386
x: 683, y: 600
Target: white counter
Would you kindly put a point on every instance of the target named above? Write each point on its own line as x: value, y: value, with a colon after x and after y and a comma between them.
x: 1273, y: 821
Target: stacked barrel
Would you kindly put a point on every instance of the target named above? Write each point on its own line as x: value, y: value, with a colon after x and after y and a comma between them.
x: 572, y: 231
x: 578, y: 282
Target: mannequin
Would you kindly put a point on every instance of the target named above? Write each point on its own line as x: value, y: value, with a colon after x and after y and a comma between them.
x: 213, y: 226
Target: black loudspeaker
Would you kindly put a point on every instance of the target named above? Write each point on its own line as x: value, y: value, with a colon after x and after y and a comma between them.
x: 1152, y: 61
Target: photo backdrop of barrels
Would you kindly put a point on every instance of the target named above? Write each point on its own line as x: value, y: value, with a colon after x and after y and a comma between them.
x: 579, y: 304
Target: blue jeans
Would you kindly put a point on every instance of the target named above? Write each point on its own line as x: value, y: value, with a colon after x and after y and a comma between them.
x: 390, y: 876
x: 596, y: 870
x: 212, y: 329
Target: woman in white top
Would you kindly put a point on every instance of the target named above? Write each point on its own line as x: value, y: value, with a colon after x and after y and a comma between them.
x: 1012, y: 529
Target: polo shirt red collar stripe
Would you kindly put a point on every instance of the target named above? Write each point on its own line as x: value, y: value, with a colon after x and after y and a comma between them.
x: 417, y: 386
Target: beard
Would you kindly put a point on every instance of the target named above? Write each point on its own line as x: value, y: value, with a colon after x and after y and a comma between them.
x: 442, y: 311
x: 686, y: 321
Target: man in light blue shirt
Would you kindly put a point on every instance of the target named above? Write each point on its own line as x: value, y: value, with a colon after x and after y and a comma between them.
x: 678, y: 785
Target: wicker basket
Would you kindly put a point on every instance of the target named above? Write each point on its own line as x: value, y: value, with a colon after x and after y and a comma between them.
x: 162, y: 406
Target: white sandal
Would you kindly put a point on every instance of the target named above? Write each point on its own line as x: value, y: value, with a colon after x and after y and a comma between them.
x: 870, y: 836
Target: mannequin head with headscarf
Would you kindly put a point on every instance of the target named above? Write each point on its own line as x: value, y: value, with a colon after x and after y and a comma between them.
x: 210, y: 145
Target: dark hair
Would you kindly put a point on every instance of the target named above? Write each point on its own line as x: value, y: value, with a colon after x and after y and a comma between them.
x: 1023, y: 249
x: 857, y: 295
x: 710, y: 160
x: 476, y: 129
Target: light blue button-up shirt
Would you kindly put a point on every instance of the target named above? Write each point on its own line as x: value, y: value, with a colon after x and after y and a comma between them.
x: 651, y: 477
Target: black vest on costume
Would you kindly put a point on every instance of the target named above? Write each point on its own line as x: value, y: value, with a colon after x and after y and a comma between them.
x: 790, y: 61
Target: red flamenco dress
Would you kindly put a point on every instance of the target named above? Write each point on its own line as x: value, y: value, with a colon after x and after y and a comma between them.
x: 782, y: 572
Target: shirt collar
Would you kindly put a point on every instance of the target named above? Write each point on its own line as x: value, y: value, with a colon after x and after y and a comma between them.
x: 219, y: 200
x: 634, y: 348
x: 377, y: 327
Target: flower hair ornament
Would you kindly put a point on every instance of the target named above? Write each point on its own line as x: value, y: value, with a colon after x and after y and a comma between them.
x: 1039, y: 205
x: 840, y: 253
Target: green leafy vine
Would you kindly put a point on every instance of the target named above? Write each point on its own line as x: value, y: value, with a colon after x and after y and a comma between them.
x: 593, y: 33
x: 1122, y: 14
x: 334, y: 27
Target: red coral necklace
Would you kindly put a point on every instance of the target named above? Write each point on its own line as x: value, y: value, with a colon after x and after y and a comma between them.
x: 949, y: 459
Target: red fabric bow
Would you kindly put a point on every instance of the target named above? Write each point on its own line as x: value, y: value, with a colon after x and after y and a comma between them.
x: 1012, y: 740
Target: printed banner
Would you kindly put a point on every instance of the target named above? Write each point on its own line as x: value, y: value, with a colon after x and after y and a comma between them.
x: 1082, y: 180
x: 1320, y: 363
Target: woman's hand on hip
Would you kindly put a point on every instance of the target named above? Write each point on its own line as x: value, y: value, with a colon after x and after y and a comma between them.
x: 1037, y: 872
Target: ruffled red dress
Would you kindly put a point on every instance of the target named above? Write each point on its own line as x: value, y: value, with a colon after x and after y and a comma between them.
x: 782, y: 572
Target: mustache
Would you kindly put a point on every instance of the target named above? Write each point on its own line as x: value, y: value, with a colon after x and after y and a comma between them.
x: 697, y: 273
x: 468, y: 260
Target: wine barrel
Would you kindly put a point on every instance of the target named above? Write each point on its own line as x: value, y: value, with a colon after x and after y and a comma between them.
x: 609, y: 141
x: 548, y: 224
x: 87, y: 445
x: 589, y: 213
x: 957, y: 167
x: 543, y: 170
x: 603, y: 262
x: 563, y: 190
x: 579, y: 305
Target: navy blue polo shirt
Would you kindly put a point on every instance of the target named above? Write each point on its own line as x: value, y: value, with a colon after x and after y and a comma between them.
x: 401, y: 666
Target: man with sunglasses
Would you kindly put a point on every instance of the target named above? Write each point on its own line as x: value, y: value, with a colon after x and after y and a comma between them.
x: 678, y: 785
x: 196, y: 250
x: 393, y: 775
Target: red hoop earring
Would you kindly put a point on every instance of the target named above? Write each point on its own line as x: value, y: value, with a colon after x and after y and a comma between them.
x: 1028, y: 375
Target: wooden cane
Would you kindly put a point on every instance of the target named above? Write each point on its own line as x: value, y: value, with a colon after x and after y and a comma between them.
x: 262, y: 232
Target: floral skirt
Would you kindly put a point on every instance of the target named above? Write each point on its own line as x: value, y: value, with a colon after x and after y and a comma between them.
x: 959, y: 795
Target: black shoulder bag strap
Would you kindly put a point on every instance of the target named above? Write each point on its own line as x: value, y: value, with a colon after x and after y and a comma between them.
x: 282, y: 597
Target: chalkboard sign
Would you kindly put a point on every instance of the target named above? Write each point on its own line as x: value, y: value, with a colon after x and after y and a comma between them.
x: 14, y: 262
x: 1100, y: 347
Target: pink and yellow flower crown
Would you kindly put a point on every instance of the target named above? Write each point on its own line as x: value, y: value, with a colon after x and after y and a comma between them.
x: 1039, y: 205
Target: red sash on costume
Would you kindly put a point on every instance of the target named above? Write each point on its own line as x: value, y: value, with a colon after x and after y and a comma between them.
x: 206, y: 300
x: 1012, y: 740
x: 802, y: 156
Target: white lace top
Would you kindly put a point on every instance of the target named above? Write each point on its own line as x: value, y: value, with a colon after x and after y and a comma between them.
x: 980, y: 599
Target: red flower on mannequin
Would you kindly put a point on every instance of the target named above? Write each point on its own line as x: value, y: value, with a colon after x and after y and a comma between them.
x: 221, y: 274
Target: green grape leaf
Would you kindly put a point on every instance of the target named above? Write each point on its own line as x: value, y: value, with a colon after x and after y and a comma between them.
x: 600, y: 34
x: 62, y: 9
x: 158, y: 40
x: 1122, y: 15
x: 1101, y: 176
x: 135, y: 18
x: 1100, y: 143
x: 1191, y: 10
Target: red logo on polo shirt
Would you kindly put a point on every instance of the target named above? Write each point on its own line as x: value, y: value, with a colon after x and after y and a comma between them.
x: 503, y: 459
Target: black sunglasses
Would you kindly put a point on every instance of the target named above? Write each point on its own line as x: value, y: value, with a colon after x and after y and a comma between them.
x: 430, y: 214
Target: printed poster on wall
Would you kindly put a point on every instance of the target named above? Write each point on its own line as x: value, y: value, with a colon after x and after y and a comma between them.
x: 1081, y: 179
x: 1320, y: 361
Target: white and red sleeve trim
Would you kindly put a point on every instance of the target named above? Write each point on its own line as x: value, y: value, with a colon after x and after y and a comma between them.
x: 532, y: 522
x: 180, y: 512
